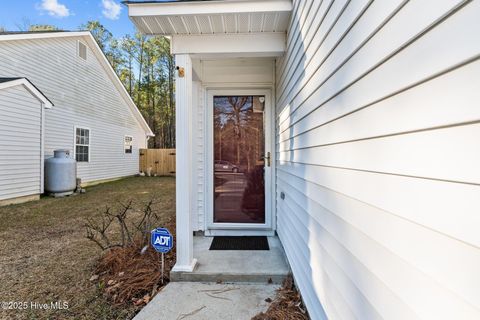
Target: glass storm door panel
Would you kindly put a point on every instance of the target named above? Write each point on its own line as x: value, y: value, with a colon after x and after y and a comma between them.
x: 239, y: 165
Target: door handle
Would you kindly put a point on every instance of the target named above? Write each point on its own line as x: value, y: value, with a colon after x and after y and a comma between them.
x: 267, y: 159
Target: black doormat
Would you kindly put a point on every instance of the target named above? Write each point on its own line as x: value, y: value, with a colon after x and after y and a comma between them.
x: 239, y: 243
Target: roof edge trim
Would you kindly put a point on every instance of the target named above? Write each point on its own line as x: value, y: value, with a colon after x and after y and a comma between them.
x: 206, y: 7
x: 30, y: 87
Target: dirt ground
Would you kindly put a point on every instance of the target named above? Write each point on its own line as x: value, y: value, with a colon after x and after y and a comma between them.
x: 45, y: 257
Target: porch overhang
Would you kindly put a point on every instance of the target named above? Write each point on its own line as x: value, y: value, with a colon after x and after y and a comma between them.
x: 208, y: 31
x: 231, y: 27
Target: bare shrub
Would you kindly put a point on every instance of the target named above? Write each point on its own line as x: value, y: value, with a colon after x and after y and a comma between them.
x: 101, y: 233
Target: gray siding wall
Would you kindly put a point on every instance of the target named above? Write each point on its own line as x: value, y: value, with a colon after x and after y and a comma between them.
x: 377, y: 148
x: 83, y: 95
x: 20, y: 143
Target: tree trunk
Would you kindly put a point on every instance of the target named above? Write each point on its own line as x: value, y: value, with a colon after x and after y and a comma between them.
x: 130, y: 74
x: 151, y: 89
x: 140, y: 71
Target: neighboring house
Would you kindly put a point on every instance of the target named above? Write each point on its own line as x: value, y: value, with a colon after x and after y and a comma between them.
x: 22, y: 121
x: 370, y: 116
x: 94, y: 116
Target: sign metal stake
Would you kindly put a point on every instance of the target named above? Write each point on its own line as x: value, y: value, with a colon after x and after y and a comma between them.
x: 163, y: 266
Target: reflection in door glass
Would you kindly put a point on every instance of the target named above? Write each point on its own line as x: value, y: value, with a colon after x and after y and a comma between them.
x: 239, y: 146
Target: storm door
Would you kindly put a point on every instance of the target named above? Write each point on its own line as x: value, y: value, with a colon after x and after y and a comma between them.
x: 239, y: 159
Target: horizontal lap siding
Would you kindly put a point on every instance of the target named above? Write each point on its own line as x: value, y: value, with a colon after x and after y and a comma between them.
x: 20, y: 144
x: 377, y: 149
x: 198, y: 155
x: 84, y: 96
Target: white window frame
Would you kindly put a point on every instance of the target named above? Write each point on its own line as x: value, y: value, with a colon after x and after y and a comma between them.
x: 124, y: 149
x: 75, y: 143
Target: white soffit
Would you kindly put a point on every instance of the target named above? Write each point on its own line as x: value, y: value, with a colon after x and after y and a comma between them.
x: 210, y: 17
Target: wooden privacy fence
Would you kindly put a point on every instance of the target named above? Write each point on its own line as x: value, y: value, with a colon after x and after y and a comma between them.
x: 160, y: 162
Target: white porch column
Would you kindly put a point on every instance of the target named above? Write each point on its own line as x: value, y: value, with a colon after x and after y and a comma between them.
x: 183, y: 102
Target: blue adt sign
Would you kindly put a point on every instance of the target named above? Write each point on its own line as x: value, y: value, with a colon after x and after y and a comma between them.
x: 161, y: 240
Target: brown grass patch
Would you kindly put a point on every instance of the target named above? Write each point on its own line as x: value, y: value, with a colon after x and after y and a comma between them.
x: 45, y: 256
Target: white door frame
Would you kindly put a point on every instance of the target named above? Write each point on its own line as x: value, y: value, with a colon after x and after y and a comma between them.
x: 267, y: 228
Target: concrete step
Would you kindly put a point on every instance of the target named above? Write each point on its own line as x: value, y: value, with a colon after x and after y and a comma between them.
x: 236, y: 266
x: 226, y: 277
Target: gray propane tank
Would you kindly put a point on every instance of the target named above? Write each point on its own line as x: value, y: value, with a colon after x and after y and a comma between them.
x: 60, y: 173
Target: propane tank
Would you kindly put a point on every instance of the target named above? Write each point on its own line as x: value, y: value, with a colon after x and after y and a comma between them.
x: 60, y: 173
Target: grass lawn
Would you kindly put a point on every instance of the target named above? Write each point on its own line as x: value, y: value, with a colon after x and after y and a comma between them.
x: 45, y: 257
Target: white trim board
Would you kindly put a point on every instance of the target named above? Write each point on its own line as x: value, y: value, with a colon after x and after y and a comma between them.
x: 207, y: 7
x: 262, y: 44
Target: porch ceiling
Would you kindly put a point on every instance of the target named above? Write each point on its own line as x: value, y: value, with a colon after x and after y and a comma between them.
x: 210, y: 17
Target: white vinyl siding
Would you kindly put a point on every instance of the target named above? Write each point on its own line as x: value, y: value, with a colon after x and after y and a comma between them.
x: 20, y: 143
x: 377, y: 148
x: 84, y: 96
x: 198, y: 158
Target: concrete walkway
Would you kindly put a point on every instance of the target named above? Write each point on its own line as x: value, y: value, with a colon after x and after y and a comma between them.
x: 199, y: 301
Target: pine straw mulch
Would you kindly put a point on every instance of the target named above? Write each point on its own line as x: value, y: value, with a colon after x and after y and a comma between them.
x: 287, y: 305
x: 132, y: 275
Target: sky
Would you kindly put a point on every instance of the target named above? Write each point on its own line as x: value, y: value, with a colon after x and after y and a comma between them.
x: 65, y: 14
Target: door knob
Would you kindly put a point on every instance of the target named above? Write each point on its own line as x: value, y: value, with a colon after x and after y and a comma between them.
x: 267, y: 159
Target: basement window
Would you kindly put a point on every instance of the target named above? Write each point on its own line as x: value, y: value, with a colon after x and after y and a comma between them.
x: 128, y: 144
x: 82, y: 144
x: 82, y: 50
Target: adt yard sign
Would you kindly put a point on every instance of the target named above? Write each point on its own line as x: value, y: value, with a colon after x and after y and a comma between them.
x: 161, y: 240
